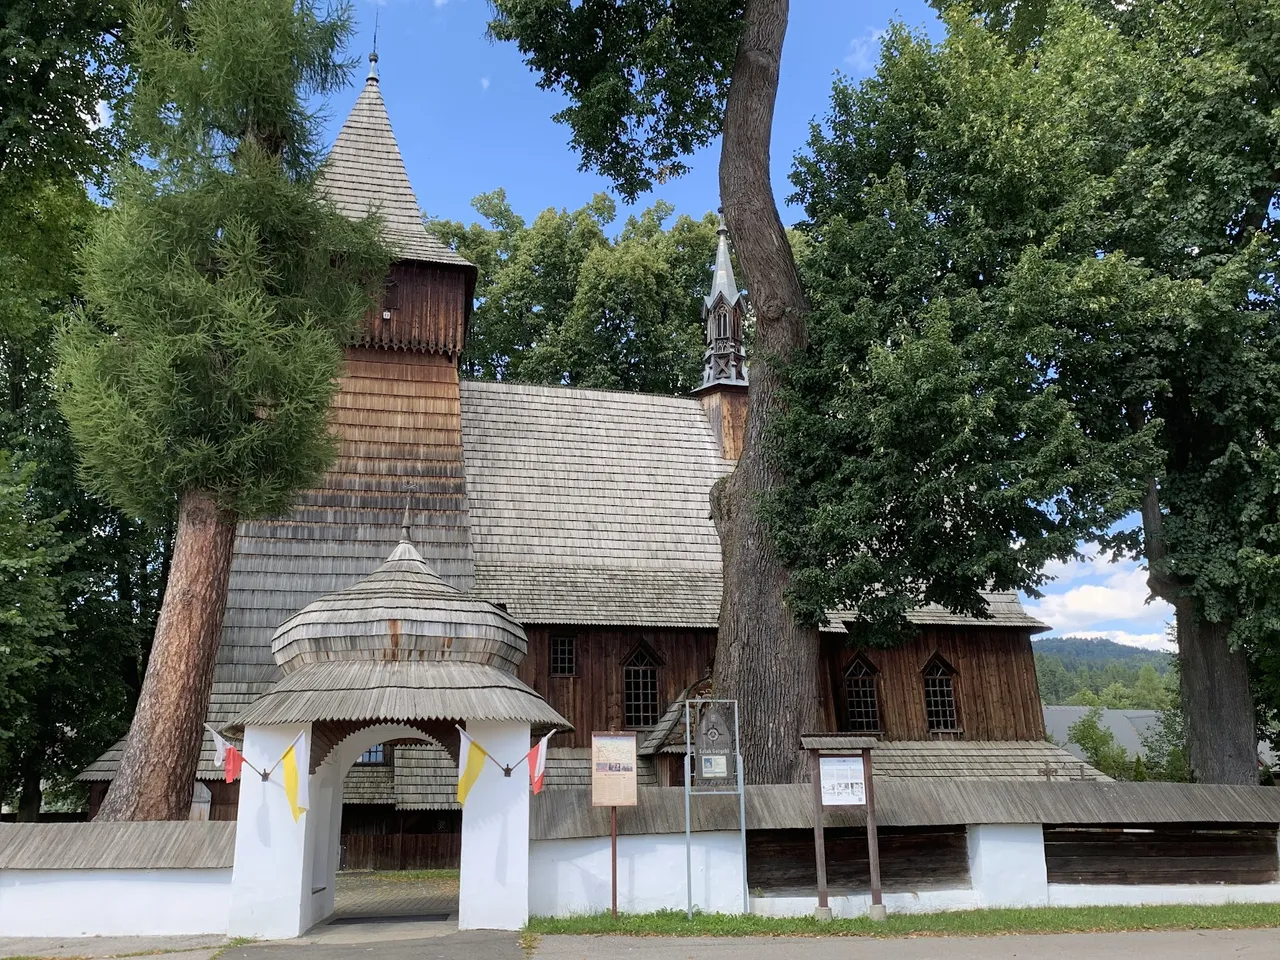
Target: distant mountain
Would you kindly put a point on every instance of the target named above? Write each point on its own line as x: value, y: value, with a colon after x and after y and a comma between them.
x: 1079, y: 651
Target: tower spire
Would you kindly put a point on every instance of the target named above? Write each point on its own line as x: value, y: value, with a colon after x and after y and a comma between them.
x: 373, y: 54
x: 725, y: 359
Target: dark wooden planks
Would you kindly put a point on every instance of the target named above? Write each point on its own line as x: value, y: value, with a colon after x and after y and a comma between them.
x: 910, y: 859
x: 423, y: 308
x: 1162, y: 854
x: 995, y: 682
x: 592, y: 698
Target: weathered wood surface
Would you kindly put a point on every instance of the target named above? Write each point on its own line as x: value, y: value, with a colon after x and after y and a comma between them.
x: 593, y: 698
x: 995, y: 683
x: 401, y: 851
x: 910, y: 859
x: 423, y: 307
x: 1162, y: 854
x: 157, y: 845
x: 726, y: 408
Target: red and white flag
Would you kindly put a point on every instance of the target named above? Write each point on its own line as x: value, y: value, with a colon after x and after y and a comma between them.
x: 226, y: 756
x: 537, y: 758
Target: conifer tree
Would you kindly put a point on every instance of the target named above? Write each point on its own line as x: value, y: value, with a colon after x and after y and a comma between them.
x: 219, y: 289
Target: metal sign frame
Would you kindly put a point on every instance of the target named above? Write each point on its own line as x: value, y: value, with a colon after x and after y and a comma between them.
x: 692, y: 707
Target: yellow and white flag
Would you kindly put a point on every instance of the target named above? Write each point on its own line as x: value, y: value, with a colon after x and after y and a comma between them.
x: 471, y: 757
x: 296, y: 780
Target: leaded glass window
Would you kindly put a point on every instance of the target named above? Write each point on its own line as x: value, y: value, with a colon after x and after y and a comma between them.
x: 640, y: 690
x: 860, y: 697
x: 564, y: 659
x: 940, y: 698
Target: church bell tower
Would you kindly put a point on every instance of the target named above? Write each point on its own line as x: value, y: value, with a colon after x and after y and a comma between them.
x: 724, y: 366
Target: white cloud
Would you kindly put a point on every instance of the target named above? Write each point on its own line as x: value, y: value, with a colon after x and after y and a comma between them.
x: 1102, y: 598
x: 484, y: 83
x: 864, y: 51
x: 1148, y: 641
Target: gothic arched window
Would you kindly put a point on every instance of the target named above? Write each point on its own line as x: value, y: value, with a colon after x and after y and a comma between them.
x: 640, y: 690
x: 862, y: 704
x: 722, y: 323
x: 941, y: 711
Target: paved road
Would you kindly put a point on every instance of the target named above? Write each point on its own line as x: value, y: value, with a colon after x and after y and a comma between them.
x: 1207, y: 945
x: 440, y: 942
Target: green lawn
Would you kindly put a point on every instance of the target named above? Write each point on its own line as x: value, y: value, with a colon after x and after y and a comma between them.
x: 975, y: 923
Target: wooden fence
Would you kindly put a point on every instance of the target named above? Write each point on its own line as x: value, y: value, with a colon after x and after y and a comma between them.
x: 1162, y: 853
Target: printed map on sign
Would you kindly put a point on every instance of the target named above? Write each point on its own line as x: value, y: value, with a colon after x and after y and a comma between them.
x: 613, y: 769
x: 843, y: 782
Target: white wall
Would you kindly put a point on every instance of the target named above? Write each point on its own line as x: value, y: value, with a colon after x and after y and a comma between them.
x: 493, y: 882
x: 271, y: 887
x: 568, y: 877
x: 1007, y: 866
x: 859, y: 905
x: 1126, y: 895
x: 113, y: 903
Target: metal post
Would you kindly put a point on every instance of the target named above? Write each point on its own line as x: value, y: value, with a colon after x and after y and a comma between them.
x: 877, y: 911
x: 819, y: 841
x: 613, y: 833
x: 688, y: 828
x: 742, y: 808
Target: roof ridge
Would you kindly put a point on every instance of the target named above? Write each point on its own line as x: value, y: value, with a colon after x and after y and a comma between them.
x: 681, y: 399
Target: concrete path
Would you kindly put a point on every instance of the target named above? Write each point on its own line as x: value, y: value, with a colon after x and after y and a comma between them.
x: 413, y: 941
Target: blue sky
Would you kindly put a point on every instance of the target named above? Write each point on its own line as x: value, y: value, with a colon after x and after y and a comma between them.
x: 470, y: 118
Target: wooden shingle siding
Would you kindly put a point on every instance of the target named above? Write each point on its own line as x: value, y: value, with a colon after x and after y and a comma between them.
x: 1162, y: 854
x: 995, y: 683
x: 592, y: 699
x: 428, y: 307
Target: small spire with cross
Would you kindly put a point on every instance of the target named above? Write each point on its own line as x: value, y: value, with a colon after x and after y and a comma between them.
x: 406, y: 525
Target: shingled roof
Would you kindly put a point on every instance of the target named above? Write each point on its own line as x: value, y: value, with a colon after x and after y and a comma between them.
x: 365, y: 174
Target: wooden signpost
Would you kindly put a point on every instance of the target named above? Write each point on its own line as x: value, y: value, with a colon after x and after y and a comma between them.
x: 841, y: 771
x: 613, y: 785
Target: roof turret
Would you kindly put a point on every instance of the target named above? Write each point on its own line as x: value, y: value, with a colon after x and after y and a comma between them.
x: 365, y: 174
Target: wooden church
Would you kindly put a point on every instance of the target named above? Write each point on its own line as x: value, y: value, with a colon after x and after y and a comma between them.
x: 585, y: 514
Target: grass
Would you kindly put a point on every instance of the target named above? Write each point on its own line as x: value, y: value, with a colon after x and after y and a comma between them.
x: 969, y: 923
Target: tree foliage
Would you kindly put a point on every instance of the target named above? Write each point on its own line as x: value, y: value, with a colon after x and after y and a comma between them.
x: 62, y: 65
x: 647, y: 78
x: 219, y: 287
x: 561, y: 302
x: 1060, y: 235
x: 63, y: 708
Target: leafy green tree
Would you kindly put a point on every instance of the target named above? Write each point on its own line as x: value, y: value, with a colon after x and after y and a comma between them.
x: 109, y: 578
x: 62, y: 63
x: 1094, y: 329
x: 219, y: 289
x: 649, y: 81
x: 559, y: 302
x: 1099, y: 746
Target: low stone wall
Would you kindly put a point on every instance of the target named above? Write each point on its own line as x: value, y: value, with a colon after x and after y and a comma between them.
x: 115, y: 879
x: 568, y: 877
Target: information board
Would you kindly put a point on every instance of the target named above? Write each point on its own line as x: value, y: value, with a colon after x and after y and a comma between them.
x: 844, y: 782
x: 613, y: 769
x: 714, y: 746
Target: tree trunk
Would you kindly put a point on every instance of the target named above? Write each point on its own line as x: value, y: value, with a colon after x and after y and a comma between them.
x: 1222, y: 734
x: 1222, y: 738
x: 764, y: 659
x: 157, y: 771
x: 32, y: 794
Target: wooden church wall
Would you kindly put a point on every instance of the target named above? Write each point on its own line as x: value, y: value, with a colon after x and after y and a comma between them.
x: 995, y: 683
x: 592, y: 699
x: 427, y: 307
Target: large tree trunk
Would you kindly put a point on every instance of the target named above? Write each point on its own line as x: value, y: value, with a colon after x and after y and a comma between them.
x: 763, y: 658
x: 1222, y: 738
x: 157, y: 771
x: 1222, y: 735
x: 31, y: 795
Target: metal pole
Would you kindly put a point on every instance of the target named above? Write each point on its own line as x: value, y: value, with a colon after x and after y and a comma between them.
x: 873, y: 841
x: 742, y: 809
x: 819, y: 841
x: 613, y: 832
x: 688, y: 829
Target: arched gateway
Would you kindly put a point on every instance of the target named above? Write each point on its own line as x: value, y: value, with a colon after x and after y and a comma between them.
x: 400, y: 655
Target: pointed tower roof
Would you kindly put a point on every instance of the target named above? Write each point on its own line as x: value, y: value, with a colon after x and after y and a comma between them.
x: 722, y: 281
x: 365, y: 173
